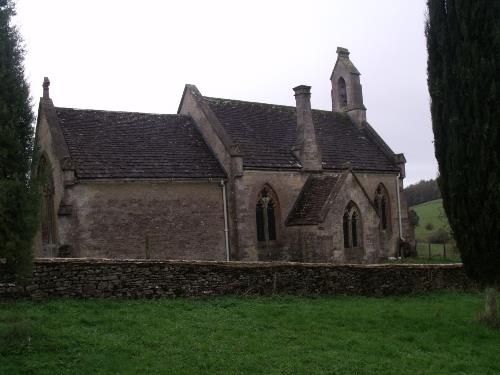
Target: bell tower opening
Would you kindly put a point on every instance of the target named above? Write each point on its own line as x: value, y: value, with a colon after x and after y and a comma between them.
x: 342, y: 93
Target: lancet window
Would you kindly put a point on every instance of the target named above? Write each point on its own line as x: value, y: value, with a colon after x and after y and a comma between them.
x: 351, y: 224
x: 266, y: 213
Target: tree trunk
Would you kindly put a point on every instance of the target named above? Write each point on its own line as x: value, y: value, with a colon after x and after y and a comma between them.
x: 490, y: 307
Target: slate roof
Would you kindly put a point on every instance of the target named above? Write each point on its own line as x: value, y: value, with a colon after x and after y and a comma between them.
x: 266, y: 134
x: 106, y: 144
x: 313, y: 197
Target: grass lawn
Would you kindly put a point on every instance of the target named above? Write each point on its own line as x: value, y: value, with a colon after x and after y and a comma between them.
x: 427, y: 334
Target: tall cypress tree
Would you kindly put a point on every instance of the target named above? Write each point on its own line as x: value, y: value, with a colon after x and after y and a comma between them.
x: 463, y: 42
x: 18, y: 196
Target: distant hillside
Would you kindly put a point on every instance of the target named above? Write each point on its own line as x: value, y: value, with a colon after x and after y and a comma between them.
x: 422, y: 191
x: 431, y: 219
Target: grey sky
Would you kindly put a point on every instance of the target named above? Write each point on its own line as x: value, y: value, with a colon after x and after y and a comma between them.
x: 137, y: 56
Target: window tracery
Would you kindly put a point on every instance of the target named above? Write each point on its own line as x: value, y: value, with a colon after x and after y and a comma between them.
x: 382, y: 206
x: 351, y: 224
x: 266, y: 212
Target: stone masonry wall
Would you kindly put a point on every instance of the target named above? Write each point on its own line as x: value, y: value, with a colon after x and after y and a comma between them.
x: 370, y: 182
x: 287, y: 186
x: 118, y: 220
x: 87, y: 278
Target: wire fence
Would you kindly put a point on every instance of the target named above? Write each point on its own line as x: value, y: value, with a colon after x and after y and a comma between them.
x: 435, y: 251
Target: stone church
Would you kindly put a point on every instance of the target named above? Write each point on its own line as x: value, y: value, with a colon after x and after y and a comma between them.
x: 222, y: 179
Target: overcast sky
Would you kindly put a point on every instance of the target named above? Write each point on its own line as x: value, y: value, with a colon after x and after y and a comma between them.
x: 138, y: 55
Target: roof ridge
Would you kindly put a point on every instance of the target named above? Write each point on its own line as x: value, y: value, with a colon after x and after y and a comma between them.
x: 124, y: 112
x: 249, y: 102
x: 325, y: 111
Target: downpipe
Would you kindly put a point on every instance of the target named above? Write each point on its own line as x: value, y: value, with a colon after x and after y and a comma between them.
x: 226, y: 230
x: 400, y: 223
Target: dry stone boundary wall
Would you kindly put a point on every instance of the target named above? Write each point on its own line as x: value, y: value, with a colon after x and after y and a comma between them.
x: 104, y: 278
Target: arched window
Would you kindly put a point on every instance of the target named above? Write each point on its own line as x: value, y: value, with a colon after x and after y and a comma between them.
x: 351, y: 224
x: 47, y: 211
x: 383, y: 207
x: 342, y: 93
x: 265, y: 213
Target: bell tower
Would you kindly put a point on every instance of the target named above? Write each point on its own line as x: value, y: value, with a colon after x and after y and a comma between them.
x: 347, y: 94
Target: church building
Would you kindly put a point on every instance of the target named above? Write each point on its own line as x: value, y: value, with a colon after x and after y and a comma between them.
x: 222, y: 179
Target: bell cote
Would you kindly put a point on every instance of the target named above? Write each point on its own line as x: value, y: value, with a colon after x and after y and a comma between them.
x: 347, y: 94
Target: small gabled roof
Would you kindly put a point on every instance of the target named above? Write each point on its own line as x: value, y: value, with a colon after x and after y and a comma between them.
x: 317, y: 196
x: 312, y: 199
x: 266, y: 134
x: 130, y: 145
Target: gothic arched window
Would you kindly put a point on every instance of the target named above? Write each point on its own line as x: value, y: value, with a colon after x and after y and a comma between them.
x: 351, y: 224
x: 266, y: 215
x: 47, y: 211
x: 342, y: 93
x: 383, y: 207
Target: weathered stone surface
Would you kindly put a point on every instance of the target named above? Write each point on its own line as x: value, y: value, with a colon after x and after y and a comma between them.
x: 142, y: 219
x: 91, y: 278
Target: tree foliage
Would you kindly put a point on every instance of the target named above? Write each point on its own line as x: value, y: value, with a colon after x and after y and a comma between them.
x: 421, y: 192
x: 18, y: 195
x: 463, y: 42
x: 439, y: 236
x: 413, y: 217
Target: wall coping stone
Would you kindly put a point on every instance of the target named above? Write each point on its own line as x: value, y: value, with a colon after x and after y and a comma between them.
x: 239, y: 264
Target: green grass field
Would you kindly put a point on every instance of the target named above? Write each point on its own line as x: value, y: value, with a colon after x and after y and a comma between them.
x: 430, y: 213
x: 433, y: 213
x: 426, y: 334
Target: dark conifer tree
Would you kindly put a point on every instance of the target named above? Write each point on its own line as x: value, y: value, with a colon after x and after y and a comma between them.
x: 463, y: 42
x: 18, y: 197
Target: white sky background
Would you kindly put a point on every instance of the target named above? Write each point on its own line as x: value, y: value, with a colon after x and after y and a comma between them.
x: 138, y: 55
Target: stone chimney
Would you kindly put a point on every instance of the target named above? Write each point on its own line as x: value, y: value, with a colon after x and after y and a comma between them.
x: 347, y: 93
x: 306, y: 148
x: 46, y: 85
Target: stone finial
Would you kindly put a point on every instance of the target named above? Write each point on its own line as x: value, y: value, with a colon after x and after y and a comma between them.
x: 400, y: 161
x: 67, y: 164
x: 46, y: 85
x: 346, y: 166
x: 342, y: 52
x: 235, y: 150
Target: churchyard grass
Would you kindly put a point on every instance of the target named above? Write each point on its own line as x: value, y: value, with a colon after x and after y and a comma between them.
x: 422, y: 334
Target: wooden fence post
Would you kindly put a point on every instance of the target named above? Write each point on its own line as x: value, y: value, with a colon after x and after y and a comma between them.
x: 429, y: 250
